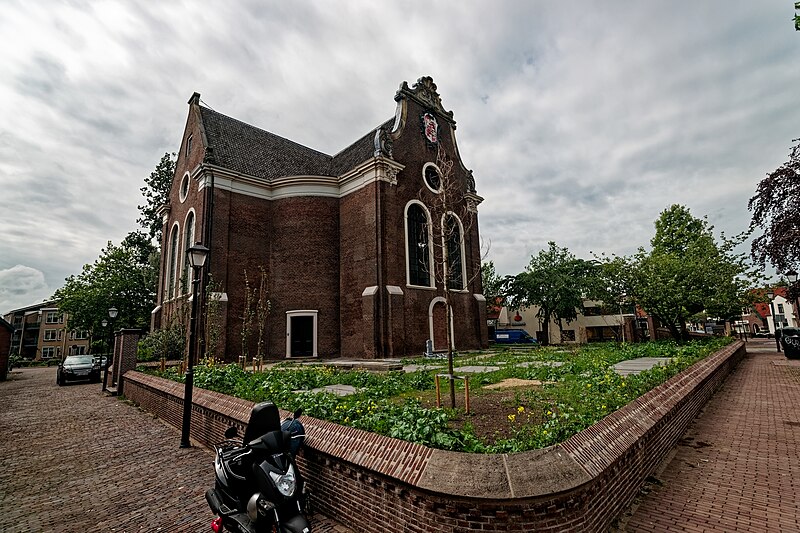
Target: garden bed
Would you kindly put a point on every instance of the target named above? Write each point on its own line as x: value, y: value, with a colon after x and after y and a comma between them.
x: 574, y: 389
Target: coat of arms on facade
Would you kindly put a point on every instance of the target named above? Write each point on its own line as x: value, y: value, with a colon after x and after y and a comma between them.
x: 430, y: 127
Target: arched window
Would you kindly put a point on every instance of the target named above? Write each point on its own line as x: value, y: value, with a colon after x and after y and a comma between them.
x: 172, y: 271
x: 418, y: 245
x: 455, y: 253
x: 188, y: 241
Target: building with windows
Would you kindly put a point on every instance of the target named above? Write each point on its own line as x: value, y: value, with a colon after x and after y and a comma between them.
x: 40, y: 333
x: 595, y: 322
x: 352, y: 246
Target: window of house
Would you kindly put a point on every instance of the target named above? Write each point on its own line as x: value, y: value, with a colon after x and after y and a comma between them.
x: 51, y: 334
x: 568, y: 335
x: 184, y: 190
x: 188, y: 145
x: 77, y: 350
x: 48, y: 352
x: 52, y: 317
x: 455, y: 259
x: 780, y: 309
x: 418, y: 245
x: 80, y: 334
x: 172, y: 271
x: 433, y: 178
x: 188, y: 241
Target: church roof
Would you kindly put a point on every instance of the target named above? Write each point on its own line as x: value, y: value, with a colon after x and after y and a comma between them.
x: 252, y: 151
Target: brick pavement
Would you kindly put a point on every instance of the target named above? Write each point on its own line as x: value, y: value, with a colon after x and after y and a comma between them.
x: 73, y: 459
x: 737, y: 467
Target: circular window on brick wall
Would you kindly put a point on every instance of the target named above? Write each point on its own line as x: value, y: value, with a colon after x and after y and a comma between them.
x: 433, y: 177
x: 184, y: 192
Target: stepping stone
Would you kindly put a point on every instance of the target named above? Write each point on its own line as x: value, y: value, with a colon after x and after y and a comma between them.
x: 537, y: 364
x: 414, y: 368
x: 338, y: 390
x: 635, y: 366
x: 475, y: 369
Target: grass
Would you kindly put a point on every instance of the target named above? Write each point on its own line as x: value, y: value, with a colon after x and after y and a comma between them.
x: 573, y: 396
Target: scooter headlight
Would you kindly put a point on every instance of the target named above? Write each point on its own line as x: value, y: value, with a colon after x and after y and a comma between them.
x: 286, y: 483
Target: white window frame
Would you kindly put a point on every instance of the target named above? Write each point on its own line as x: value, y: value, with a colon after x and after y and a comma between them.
x: 50, y: 333
x: 48, y: 352
x: 183, y: 189
x: 314, y: 314
x: 186, y: 271
x: 171, y: 283
x: 461, y: 244
x: 440, y: 299
x: 431, y: 277
x: 52, y: 317
x: 425, y: 179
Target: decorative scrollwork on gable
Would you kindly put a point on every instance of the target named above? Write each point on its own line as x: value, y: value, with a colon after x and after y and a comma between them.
x: 383, y: 143
x: 424, y: 93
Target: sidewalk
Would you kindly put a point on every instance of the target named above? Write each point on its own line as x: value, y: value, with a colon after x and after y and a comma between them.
x: 73, y: 459
x: 737, y: 468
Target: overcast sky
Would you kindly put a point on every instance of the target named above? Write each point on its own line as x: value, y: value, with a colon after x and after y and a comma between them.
x: 582, y: 121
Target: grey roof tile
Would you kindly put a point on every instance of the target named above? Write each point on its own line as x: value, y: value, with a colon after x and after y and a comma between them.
x: 249, y: 150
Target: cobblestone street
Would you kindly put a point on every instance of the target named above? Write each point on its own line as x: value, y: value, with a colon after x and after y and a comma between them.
x: 76, y: 460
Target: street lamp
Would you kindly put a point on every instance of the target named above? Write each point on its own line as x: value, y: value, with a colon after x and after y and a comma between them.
x: 112, y: 314
x: 196, y: 256
x: 771, y: 295
x: 792, y: 277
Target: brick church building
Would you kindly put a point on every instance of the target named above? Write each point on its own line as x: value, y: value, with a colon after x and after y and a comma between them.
x: 353, y: 246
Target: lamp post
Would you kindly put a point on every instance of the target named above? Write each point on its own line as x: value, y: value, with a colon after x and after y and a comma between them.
x: 792, y: 277
x: 196, y: 256
x: 771, y: 295
x: 112, y: 314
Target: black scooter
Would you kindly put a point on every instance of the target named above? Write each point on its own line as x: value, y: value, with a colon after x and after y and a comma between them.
x: 258, y: 487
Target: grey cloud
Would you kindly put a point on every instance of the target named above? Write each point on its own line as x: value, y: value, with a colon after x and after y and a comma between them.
x: 21, y: 285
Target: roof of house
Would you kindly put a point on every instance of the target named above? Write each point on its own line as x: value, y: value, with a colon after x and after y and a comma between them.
x: 255, y: 152
x: 41, y: 305
x: 763, y: 308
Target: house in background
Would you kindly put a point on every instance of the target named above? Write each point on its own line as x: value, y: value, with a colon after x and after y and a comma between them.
x: 40, y: 333
x: 344, y: 241
x: 595, y: 323
x: 762, y: 317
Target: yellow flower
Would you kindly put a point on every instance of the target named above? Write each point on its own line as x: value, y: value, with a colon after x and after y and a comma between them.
x: 520, y: 409
x: 512, y: 417
x: 549, y: 412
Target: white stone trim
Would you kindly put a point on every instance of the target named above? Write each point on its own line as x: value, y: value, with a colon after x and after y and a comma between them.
x: 313, y: 313
x: 372, y: 290
x: 371, y: 171
x: 435, y: 301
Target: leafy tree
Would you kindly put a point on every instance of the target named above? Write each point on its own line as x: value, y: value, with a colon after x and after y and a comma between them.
x: 156, y: 193
x: 556, y: 282
x: 123, y: 276
x: 493, y: 286
x: 686, y: 273
x: 776, y: 210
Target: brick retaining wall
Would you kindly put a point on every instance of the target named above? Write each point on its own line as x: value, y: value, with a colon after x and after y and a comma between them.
x: 377, y: 484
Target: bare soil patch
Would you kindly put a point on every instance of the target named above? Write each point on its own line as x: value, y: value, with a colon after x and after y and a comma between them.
x: 489, y: 409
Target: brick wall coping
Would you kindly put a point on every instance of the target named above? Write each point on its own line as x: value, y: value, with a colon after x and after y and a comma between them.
x: 557, y: 469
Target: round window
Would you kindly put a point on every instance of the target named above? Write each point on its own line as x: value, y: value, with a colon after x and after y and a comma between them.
x: 432, y: 177
x: 184, y: 192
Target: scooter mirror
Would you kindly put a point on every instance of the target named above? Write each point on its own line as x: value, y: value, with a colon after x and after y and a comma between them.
x: 231, y: 432
x: 297, y: 413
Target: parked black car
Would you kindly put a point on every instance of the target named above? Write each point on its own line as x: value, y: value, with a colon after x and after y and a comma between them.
x: 78, y: 367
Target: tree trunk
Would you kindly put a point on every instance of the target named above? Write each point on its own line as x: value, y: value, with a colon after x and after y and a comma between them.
x: 546, y: 330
